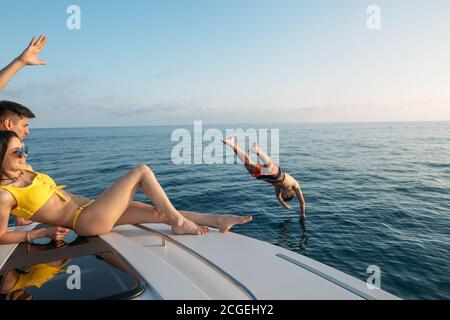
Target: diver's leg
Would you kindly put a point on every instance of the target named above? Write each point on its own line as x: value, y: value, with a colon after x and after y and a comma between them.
x: 242, y: 155
x: 266, y: 160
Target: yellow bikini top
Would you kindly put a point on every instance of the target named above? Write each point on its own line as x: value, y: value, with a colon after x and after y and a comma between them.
x: 33, y: 197
x: 38, y: 275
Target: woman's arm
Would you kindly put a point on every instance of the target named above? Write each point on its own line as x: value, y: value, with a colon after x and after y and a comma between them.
x: 28, y: 57
x: 7, y: 202
x: 301, y: 200
x: 7, y: 237
x: 21, y: 221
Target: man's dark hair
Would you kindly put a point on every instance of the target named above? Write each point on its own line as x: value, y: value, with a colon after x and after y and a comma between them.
x: 7, y: 107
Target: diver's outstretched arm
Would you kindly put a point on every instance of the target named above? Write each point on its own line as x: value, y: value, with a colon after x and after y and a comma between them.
x: 280, y: 199
x: 28, y: 57
x: 301, y: 200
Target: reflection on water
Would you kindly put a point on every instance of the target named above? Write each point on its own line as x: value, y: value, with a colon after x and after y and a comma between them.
x: 304, y: 239
x: 284, y: 233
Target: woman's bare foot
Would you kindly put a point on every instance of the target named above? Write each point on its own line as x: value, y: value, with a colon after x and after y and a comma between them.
x: 227, y: 221
x: 231, y: 141
x: 186, y: 226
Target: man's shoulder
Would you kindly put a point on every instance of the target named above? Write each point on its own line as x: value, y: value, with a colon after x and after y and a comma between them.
x: 293, y: 183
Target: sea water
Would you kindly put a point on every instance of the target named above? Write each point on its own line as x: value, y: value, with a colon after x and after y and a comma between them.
x: 377, y: 194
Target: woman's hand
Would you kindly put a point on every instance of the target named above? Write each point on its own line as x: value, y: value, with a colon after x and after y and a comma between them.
x: 56, y: 233
x: 30, y: 54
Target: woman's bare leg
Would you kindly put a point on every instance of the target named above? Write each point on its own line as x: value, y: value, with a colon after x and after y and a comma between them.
x: 223, y: 222
x: 139, y: 212
x: 103, y: 214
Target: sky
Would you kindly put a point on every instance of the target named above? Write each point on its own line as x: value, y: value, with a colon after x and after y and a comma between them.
x: 157, y: 62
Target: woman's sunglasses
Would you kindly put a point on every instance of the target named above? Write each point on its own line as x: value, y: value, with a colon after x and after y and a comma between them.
x: 22, y: 152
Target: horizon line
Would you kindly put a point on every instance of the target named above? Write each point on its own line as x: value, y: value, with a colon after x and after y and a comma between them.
x: 244, y: 123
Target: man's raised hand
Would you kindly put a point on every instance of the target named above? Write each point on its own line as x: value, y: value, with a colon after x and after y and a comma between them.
x: 30, y: 56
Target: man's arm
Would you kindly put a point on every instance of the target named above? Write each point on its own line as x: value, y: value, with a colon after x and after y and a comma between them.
x: 301, y: 200
x: 283, y: 203
x: 28, y: 57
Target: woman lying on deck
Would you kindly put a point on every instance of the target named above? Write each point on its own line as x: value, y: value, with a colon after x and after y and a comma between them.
x: 35, y: 196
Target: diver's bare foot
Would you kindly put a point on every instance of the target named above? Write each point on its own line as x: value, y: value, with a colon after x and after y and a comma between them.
x: 231, y: 141
x: 254, y: 148
x: 226, y: 222
x: 186, y: 226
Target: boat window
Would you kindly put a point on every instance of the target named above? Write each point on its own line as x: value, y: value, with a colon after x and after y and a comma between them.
x: 76, y: 268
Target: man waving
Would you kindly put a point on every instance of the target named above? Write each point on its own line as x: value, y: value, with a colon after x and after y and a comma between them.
x: 29, y: 57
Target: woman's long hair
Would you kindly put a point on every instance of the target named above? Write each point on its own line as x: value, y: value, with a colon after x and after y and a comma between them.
x: 5, y: 137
